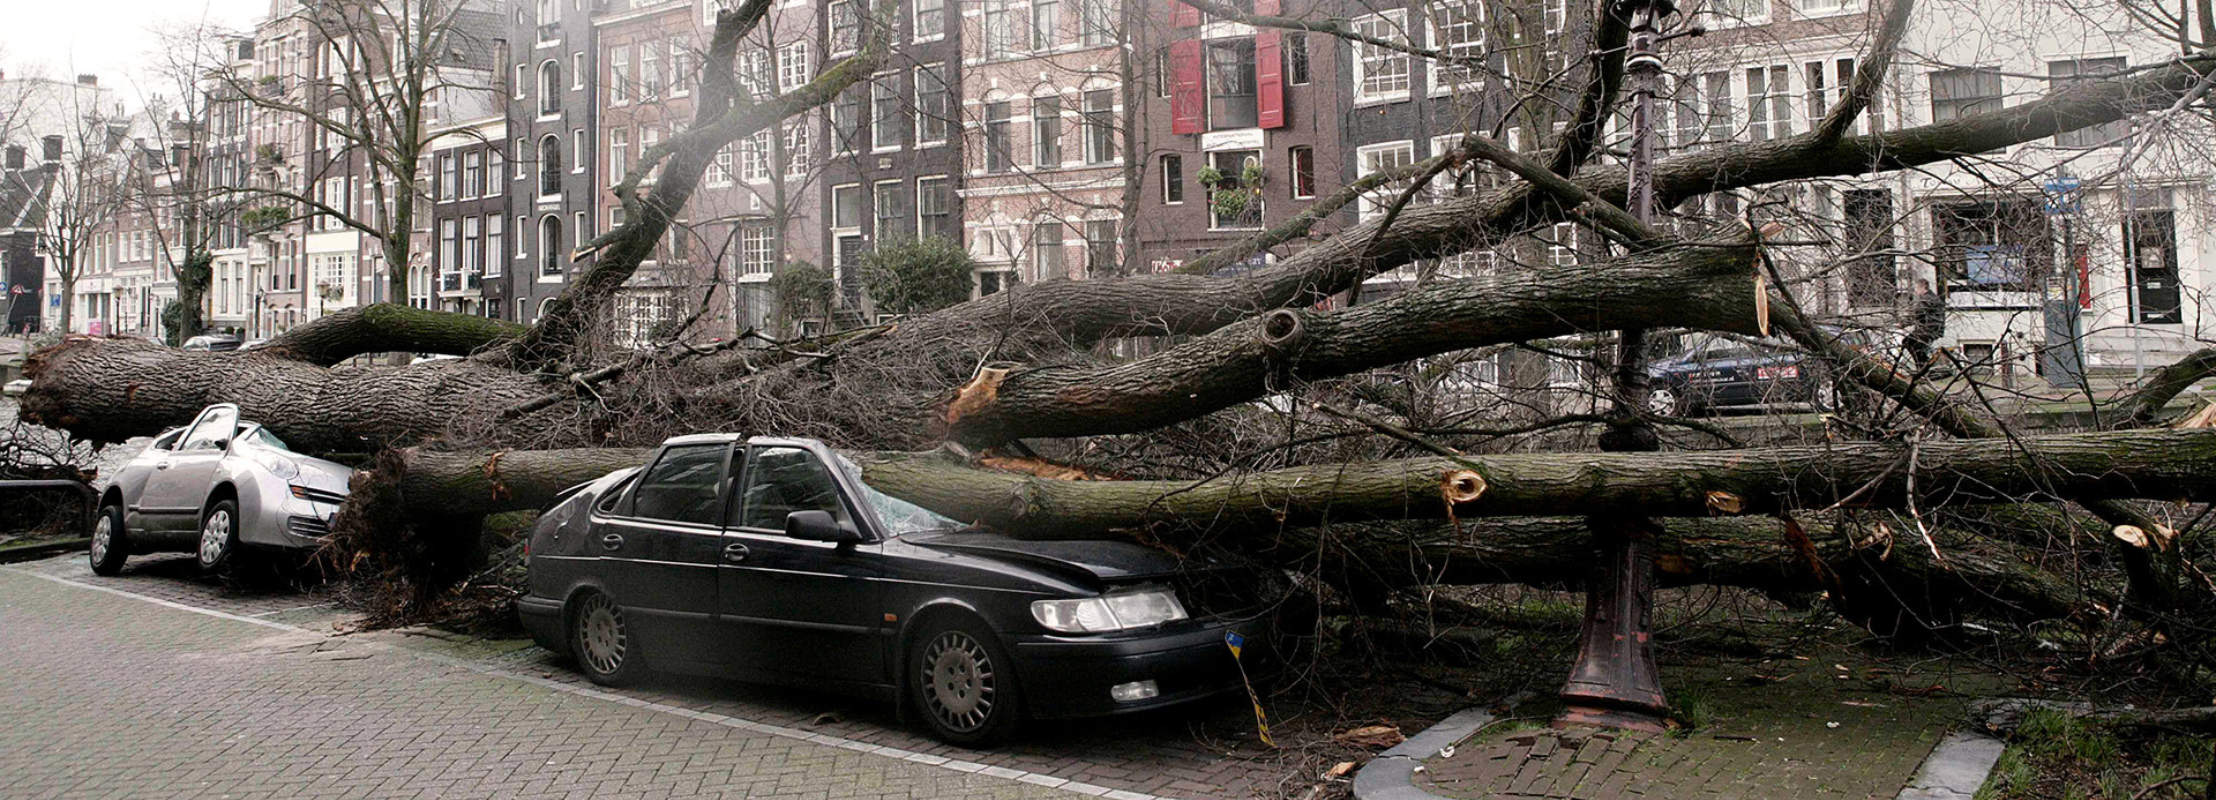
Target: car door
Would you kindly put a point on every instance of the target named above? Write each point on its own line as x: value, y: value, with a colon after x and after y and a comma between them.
x: 179, y: 484
x: 803, y: 610
x: 658, y: 553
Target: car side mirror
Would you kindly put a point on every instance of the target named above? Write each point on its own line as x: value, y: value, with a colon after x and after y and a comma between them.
x: 819, y: 526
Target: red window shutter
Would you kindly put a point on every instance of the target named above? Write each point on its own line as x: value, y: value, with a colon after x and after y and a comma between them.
x: 1186, y: 100
x: 1181, y: 15
x: 1265, y: 8
x: 1269, y: 78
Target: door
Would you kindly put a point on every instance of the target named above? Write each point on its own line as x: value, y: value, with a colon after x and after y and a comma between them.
x: 179, y: 485
x: 658, y: 553
x: 2156, y: 299
x: 801, y: 609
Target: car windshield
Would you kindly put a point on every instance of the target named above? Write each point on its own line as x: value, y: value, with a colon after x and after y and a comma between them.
x: 263, y: 437
x: 899, y: 517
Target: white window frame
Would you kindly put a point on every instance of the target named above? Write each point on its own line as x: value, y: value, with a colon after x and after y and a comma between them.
x: 580, y: 147
x: 916, y: 21
x: 1383, y: 25
x: 576, y: 71
x: 757, y: 246
x: 619, y: 76
x: 1437, y: 75
x: 1372, y: 204
x: 883, y: 86
x: 916, y: 200
x: 947, y: 126
x: 1721, y: 14
x: 793, y: 67
x: 833, y: 211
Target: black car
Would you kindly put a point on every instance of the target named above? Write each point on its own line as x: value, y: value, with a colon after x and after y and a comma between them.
x: 1721, y: 372
x: 772, y: 560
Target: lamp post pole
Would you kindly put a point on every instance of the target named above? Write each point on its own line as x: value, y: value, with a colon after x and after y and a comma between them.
x: 1614, y: 683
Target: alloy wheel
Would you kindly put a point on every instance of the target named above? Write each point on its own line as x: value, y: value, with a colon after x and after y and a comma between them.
x: 1662, y: 402
x: 103, y: 537
x: 961, y: 681
x: 602, y: 635
x: 215, y: 537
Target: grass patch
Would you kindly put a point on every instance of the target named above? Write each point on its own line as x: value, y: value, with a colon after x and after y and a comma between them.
x: 2056, y: 756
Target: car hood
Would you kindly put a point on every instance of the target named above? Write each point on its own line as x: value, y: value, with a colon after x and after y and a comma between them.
x: 1103, y: 560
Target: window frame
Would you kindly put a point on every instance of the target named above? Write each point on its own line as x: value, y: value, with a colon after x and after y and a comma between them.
x: 1387, y: 24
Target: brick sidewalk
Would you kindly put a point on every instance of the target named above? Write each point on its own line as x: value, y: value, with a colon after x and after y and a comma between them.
x: 1817, y: 734
x: 1202, y: 753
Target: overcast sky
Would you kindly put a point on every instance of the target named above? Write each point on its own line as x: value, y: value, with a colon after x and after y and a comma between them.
x: 108, y: 38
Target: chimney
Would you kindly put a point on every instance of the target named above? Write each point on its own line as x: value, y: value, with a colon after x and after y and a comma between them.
x: 15, y: 156
x: 87, y: 79
x: 52, y: 145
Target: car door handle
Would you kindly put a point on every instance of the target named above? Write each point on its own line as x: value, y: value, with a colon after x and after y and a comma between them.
x: 611, y: 541
x: 161, y: 465
x: 734, y: 553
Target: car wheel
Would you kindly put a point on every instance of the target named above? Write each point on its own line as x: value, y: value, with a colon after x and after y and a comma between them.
x: 601, y: 640
x: 1663, y: 402
x: 110, y: 543
x: 219, y: 536
x: 1825, y: 397
x: 964, y: 685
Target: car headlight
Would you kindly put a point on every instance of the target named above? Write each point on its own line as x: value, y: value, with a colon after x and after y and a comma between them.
x: 1119, y: 610
x: 277, y: 465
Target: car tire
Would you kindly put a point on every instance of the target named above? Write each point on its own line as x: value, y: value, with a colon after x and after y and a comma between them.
x: 111, y: 542
x: 963, y: 684
x: 1825, y: 397
x: 601, y: 641
x: 218, y: 549
x: 1663, y: 401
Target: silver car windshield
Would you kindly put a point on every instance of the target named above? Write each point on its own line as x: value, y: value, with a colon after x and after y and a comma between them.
x: 899, y: 517
x: 262, y: 436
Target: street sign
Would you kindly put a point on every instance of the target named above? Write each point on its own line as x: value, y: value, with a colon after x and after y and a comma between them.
x: 2062, y: 195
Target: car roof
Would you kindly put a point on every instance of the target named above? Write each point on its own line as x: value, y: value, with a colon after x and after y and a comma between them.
x: 727, y: 438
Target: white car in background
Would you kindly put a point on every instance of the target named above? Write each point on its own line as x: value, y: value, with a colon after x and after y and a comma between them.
x: 215, y: 488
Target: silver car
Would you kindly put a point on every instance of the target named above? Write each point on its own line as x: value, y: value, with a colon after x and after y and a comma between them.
x: 215, y: 487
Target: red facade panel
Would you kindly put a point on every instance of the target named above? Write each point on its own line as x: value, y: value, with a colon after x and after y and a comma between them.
x: 1187, y: 102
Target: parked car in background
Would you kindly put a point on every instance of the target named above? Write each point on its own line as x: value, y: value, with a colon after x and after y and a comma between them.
x: 219, y: 488
x: 218, y: 342
x: 1718, y: 372
x: 774, y: 560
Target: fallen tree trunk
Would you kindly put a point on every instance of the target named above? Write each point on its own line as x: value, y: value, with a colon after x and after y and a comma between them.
x: 1701, y: 285
x: 2169, y: 465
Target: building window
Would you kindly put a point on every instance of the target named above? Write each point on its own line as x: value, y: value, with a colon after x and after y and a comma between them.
x: 650, y: 71
x: 550, y: 88
x: 523, y: 80
x: 2150, y: 249
x: 550, y: 166
x: 1381, y: 75
x: 892, y: 209
x: 1729, y: 13
x: 934, y: 105
x: 886, y: 128
x: 496, y: 245
x: 450, y: 255
x: 997, y: 157
x: 1173, y: 179
x: 719, y: 169
x: 619, y: 76
x: 648, y: 137
x: 523, y: 160
x: 754, y: 157
x: 495, y: 163
x: 1718, y: 85
x: 934, y: 208
x: 846, y: 119
x: 581, y: 150
x: 1871, y: 281
x: 930, y: 20
x: 1100, y: 126
x: 447, y: 184
x: 846, y: 207
x: 1231, y: 85
x: 1817, y: 7
x: 473, y: 174
x: 1231, y: 167
x: 1046, y: 132
x: 1296, y: 58
x: 755, y: 249
x: 584, y: 229
x: 1458, y: 35
x: 847, y: 254
x: 846, y: 27
x: 619, y: 154
x: 1964, y: 92
x: 472, y: 238
x: 1304, y: 172
x: 2077, y: 70
x: 1046, y: 24
x: 753, y: 71
x: 792, y: 67
x: 1823, y: 91
x: 576, y: 71
x: 1377, y: 158
x: 1000, y: 31
x: 1769, y: 103
x: 550, y: 245
x: 1100, y: 248
x: 2000, y: 245
x: 523, y: 235
x: 1096, y: 20
x: 797, y: 144
x: 1046, y: 252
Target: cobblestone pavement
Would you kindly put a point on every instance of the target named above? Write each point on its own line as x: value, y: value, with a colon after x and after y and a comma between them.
x: 213, y: 707
x: 1807, y: 730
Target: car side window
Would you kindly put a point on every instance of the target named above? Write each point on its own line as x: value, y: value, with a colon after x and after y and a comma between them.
x: 213, y: 432
x: 782, y: 480
x: 682, y: 486
x: 168, y: 441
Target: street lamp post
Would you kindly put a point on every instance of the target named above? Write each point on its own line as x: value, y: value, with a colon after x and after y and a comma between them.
x: 1614, y: 682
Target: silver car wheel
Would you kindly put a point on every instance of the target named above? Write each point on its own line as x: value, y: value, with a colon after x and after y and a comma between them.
x: 600, y: 625
x: 961, y: 681
x: 103, y: 534
x: 1662, y: 402
x: 215, y: 537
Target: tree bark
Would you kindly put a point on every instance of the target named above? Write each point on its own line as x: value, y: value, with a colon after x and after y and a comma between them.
x: 388, y: 328
x: 1703, y: 285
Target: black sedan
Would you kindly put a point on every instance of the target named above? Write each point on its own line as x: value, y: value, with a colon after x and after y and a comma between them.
x: 772, y: 560
x: 1719, y: 372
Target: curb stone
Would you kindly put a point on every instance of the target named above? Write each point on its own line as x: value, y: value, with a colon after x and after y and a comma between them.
x: 1955, y: 770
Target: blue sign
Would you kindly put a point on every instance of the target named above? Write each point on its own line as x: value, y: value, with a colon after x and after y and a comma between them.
x: 2062, y: 195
